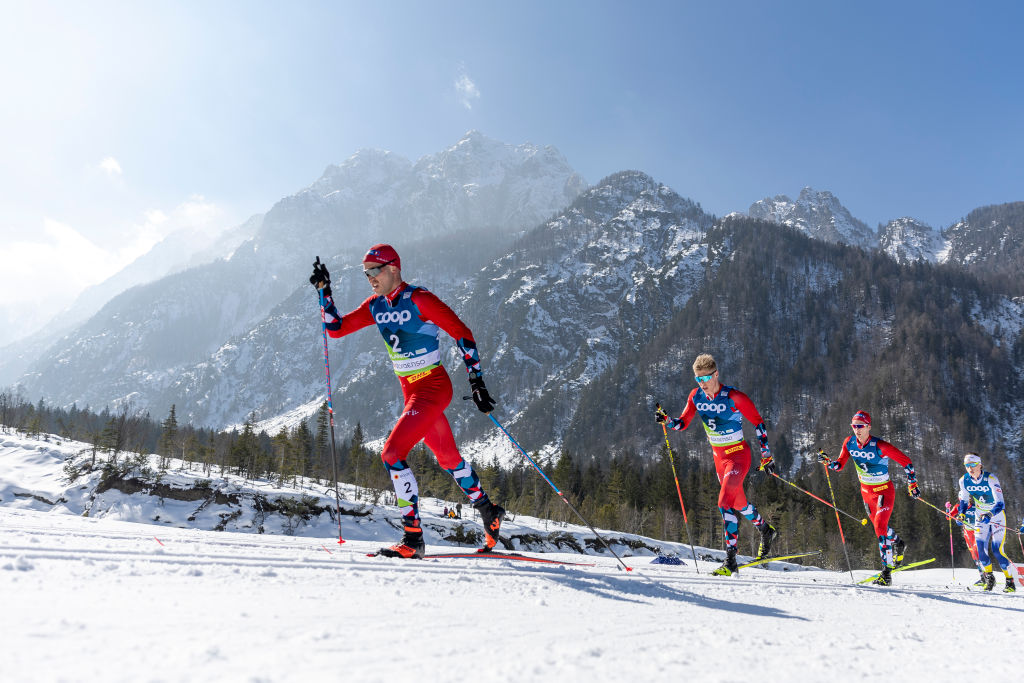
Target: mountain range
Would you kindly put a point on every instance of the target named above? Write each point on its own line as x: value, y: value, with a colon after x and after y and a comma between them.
x: 587, y: 303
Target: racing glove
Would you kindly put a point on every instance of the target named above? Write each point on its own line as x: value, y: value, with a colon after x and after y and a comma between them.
x: 321, y: 279
x: 482, y: 399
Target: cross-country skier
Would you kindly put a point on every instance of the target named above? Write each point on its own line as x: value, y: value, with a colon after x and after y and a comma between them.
x: 409, y: 319
x: 722, y: 409
x: 983, y: 489
x: 871, y: 457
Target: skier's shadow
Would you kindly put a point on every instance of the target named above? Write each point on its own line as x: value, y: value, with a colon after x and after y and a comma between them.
x: 640, y: 588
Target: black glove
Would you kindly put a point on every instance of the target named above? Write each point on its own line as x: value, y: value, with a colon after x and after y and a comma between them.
x: 320, y: 278
x: 823, y: 457
x: 483, y: 400
x: 659, y: 413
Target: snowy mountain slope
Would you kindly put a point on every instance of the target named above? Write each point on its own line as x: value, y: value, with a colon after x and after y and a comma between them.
x: 989, y: 242
x: 91, y: 598
x: 480, y: 190
x: 819, y: 214
x: 907, y: 240
x: 574, y: 293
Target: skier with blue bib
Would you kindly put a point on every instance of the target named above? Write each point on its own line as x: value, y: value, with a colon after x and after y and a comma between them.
x: 983, y: 489
x: 410, y: 319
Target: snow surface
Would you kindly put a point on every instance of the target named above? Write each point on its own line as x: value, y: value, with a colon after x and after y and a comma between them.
x: 87, y: 598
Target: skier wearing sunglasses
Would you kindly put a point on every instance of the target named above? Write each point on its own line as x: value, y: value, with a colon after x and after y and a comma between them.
x: 409, y: 318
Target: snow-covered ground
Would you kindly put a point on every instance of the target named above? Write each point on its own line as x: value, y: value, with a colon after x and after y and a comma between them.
x: 88, y: 598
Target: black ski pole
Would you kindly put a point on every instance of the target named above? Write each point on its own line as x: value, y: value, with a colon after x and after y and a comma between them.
x: 560, y: 494
x: 672, y: 461
x: 330, y: 407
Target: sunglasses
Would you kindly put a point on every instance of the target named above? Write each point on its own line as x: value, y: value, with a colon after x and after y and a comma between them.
x: 858, y: 426
x: 375, y: 271
x: 972, y: 465
x: 704, y: 378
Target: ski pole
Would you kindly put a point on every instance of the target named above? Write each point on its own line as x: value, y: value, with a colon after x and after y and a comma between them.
x: 560, y: 494
x: 952, y: 562
x: 839, y: 522
x: 950, y: 515
x: 330, y: 407
x: 678, y: 491
x: 821, y: 500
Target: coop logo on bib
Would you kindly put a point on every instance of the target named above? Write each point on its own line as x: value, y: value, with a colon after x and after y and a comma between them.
x: 711, y: 407
x: 400, y: 317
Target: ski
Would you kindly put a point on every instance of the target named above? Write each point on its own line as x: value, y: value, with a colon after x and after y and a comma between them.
x: 779, y: 558
x: 897, y: 569
x: 502, y: 556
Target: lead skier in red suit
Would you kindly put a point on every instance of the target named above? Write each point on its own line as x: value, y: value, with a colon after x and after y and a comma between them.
x: 409, y: 319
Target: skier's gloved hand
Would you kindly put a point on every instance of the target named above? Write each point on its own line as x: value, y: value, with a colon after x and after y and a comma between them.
x: 320, y: 278
x: 823, y: 457
x: 961, y: 519
x: 767, y: 461
x: 985, y: 518
x: 913, y: 490
x: 660, y: 415
x: 482, y: 399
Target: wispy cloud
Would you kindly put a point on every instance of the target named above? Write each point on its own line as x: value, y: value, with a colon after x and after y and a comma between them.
x: 111, y: 166
x: 467, y: 90
x: 67, y: 256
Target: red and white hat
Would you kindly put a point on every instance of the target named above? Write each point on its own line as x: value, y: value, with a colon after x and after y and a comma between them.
x: 862, y: 416
x: 383, y: 253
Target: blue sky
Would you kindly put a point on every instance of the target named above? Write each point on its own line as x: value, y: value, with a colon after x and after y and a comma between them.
x: 124, y: 121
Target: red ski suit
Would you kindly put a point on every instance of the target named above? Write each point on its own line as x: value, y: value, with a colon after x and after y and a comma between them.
x: 732, y: 462
x: 426, y: 394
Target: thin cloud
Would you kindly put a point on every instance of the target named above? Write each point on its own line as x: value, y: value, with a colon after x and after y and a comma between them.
x: 467, y: 90
x: 111, y: 166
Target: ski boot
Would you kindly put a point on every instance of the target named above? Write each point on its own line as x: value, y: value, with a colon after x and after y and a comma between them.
x: 412, y: 546
x: 980, y: 583
x: 729, y: 567
x: 990, y: 581
x: 885, y: 578
x: 490, y: 516
x: 899, y: 550
x: 1010, y: 586
x: 768, y: 535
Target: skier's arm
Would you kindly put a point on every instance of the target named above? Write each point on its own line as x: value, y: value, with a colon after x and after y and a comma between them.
x: 890, y: 451
x: 997, y: 495
x: 683, y: 421
x: 340, y: 325
x: 844, y: 455
x: 749, y: 411
x: 439, y: 313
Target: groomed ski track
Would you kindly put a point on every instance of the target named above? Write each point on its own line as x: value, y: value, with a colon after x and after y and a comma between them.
x: 88, y: 599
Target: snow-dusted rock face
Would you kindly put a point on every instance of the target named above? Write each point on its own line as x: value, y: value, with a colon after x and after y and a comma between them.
x: 991, y: 237
x: 151, y: 342
x: 579, y: 291
x: 819, y: 214
x: 908, y: 240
